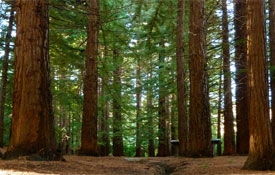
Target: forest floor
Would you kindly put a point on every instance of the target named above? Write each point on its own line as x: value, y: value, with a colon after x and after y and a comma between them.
x: 132, y: 166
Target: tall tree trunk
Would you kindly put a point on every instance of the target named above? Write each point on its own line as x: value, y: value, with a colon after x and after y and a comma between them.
x: 272, y: 62
x: 182, y: 114
x: 150, y: 106
x: 229, y: 138
x: 242, y: 141
x: 163, y: 147
x: 199, y: 138
x: 219, y: 146
x: 32, y: 119
x: 104, y: 124
x: 261, y: 151
x: 138, y: 106
x: 69, y: 134
x: 89, y: 120
x: 5, y: 75
x: 103, y: 121
x: 174, y: 126
x: 117, y: 116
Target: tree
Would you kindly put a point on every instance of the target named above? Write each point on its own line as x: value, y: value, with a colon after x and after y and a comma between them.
x: 117, y: 108
x: 163, y: 113
x: 138, y: 105
x: 229, y: 138
x: 5, y: 75
x: 32, y: 118
x: 181, y: 90
x: 242, y: 140
x: 199, y: 138
x: 261, y: 151
x: 89, y: 121
x: 104, y: 107
x: 272, y: 62
x: 150, y: 122
x: 219, y: 146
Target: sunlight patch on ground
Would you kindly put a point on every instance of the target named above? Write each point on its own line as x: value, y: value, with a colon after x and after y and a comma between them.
x: 11, y: 172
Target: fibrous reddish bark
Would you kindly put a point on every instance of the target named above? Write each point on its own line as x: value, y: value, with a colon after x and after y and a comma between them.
x: 89, y: 120
x: 32, y: 119
x: 261, y: 152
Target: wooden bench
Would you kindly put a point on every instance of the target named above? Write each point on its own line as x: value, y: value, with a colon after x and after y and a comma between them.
x: 175, y: 146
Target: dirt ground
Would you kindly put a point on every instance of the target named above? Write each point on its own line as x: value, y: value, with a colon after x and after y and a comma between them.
x: 132, y: 166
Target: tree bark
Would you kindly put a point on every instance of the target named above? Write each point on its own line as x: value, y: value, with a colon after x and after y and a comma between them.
x: 104, y: 138
x: 32, y: 119
x: 199, y: 138
x: 229, y: 135
x: 150, y: 113
x: 181, y: 90
x: 261, y: 151
x: 272, y: 62
x: 89, y: 120
x: 174, y: 126
x: 163, y: 112
x: 5, y: 75
x: 219, y: 146
x: 138, y: 114
x: 117, y: 115
x: 103, y: 121
x: 242, y: 141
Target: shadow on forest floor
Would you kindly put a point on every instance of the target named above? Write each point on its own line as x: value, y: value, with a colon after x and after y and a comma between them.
x: 124, y: 165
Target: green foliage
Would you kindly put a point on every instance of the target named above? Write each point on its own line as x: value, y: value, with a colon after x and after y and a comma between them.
x: 142, y: 32
x: 4, y: 18
x: 67, y: 47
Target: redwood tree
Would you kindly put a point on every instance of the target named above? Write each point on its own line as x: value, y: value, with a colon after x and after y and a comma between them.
x: 89, y: 121
x: 182, y: 114
x: 104, y: 129
x: 117, y: 107
x: 32, y: 118
x: 261, y: 151
x: 150, y: 115
x: 229, y: 136
x: 199, y: 137
x: 272, y: 62
x: 138, y: 106
x: 242, y: 141
x: 163, y: 111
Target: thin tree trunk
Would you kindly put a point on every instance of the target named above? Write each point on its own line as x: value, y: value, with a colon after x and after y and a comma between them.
x: 104, y: 124
x: 105, y: 148
x: 272, y: 62
x: 174, y: 126
x: 242, y: 141
x: 150, y: 106
x: 138, y: 115
x: 64, y: 130
x: 163, y: 147
x: 261, y: 152
x: 219, y: 146
x: 69, y: 134
x: 5, y: 75
x: 117, y: 116
x: 229, y: 138
x: 89, y: 120
x: 181, y: 90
